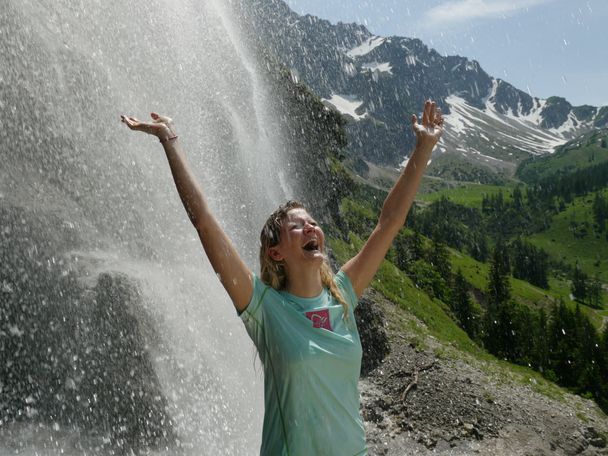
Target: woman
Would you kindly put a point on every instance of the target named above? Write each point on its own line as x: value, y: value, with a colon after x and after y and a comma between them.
x: 298, y: 314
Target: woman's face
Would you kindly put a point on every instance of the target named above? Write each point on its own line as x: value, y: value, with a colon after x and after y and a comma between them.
x: 302, y: 240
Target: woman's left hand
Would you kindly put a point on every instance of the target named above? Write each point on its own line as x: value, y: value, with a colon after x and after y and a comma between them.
x: 429, y: 130
x: 161, y: 126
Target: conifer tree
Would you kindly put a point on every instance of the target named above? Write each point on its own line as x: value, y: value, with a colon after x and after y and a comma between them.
x: 403, y: 253
x: 529, y: 263
x: 594, y: 293
x: 439, y: 257
x: 579, y: 284
x: 462, y: 306
x: 499, y: 288
x: 540, y: 356
x: 600, y: 210
x: 498, y: 319
x: 408, y: 249
x: 479, y: 246
x: 517, y: 198
x: 417, y: 246
x: 588, y: 362
x: 563, y: 345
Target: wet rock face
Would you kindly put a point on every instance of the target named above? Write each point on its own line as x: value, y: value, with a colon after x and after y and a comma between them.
x: 371, y: 325
x: 73, y: 355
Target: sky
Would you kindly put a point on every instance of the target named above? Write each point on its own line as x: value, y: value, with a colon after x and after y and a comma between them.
x: 543, y: 47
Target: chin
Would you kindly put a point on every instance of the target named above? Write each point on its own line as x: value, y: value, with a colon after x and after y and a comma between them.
x: 317, y: 257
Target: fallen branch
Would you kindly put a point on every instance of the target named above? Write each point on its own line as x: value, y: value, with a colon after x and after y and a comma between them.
x: 411, y: 385
x: 414, y: 383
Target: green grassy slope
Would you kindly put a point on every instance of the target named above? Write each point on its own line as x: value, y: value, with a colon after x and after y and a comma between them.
x: 559, y: 241
x: 397, y: 286
x: 565, y: 239
x: 437, y: 324
x: 578, y: 154
x: 476, y: 273
x: 469, y: 195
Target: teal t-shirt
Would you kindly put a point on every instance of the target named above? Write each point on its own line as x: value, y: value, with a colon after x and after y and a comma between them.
x: 312, y: 360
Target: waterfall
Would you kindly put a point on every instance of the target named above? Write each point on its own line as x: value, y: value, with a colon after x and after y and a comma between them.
x: 92, y: 230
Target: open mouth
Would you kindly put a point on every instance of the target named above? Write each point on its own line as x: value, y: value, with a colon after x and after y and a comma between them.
x: 311, y: 246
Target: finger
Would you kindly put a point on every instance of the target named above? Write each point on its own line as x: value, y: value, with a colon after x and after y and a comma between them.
x: 135, y: 124
x: 432, y: 113
x: 414, y: 119
x: 439, y: 117
x: 160, y: 119
x: 126, y: 120
x: 425, y: 113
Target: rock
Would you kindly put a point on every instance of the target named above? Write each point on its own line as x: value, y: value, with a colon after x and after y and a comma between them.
x: 594, y: 438
x: 371, y: 326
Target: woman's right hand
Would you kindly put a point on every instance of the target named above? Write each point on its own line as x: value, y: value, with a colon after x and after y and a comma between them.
x: 161, y: 126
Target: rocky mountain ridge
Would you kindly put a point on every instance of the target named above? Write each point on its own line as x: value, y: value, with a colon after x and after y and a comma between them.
x: 377, y: 81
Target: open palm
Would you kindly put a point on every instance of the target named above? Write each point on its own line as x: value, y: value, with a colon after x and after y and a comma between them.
x: 430, y: 128
x: 161, y: 126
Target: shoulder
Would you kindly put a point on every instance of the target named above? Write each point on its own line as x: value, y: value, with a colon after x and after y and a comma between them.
x: 345, y: 285
x: 261, y: 292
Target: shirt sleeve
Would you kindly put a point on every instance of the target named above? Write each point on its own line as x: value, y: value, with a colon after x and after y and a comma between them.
x: 253, y: 315
x: 346, y: 288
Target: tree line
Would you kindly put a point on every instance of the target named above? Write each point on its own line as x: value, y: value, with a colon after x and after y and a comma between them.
x: 561, y: 343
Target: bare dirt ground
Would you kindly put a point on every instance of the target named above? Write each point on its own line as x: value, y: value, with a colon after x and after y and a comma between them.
x: 417, y: 403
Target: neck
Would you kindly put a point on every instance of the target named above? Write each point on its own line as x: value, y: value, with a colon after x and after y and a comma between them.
x: 305, y: 283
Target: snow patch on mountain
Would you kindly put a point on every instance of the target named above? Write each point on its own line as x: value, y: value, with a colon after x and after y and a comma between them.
x: 384, y: 67
x: 412, y: 60
x: 366, y: 47
x: 347, y: 105
x: 535, y: 114
x: 503, y: 131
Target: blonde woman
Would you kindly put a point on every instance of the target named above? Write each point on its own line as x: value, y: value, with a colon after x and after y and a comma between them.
x: 298, y: 314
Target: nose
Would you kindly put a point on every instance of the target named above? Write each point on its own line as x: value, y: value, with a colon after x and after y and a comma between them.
x: 308, y: 227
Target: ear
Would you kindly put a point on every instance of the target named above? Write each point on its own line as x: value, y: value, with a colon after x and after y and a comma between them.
x: 273, y: 252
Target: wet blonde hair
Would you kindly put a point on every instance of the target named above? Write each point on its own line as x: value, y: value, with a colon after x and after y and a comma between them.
x: 273, y: 272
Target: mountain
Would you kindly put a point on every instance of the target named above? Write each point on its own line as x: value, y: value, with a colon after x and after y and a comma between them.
x: 376, y: 82
x: 578, y: 154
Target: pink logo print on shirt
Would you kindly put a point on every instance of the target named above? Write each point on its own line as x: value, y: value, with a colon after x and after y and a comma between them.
x: 320, y: 319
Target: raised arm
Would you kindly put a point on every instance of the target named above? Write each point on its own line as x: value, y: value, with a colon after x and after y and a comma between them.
x: 231, y: 269
x: 363, y: 266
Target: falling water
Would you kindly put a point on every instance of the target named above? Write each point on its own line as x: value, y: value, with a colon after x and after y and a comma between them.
x: 82, y: 197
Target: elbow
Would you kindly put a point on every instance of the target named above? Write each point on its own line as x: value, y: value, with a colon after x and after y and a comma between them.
x: 389, y: 227
x: 390, y: 222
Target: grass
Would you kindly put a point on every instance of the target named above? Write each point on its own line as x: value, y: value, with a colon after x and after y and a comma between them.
x: 398, y: 288
x: 590, y: 250
x: 454, y: 343
x: 575, y: 155
x: 476, y: 273
x: 470, y: 195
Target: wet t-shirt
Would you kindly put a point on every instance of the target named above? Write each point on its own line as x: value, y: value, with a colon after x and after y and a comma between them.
x: 312, y: 359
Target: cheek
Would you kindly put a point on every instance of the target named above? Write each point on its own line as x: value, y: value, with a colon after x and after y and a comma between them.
x: 321, y: 235
x: 287, y: 237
